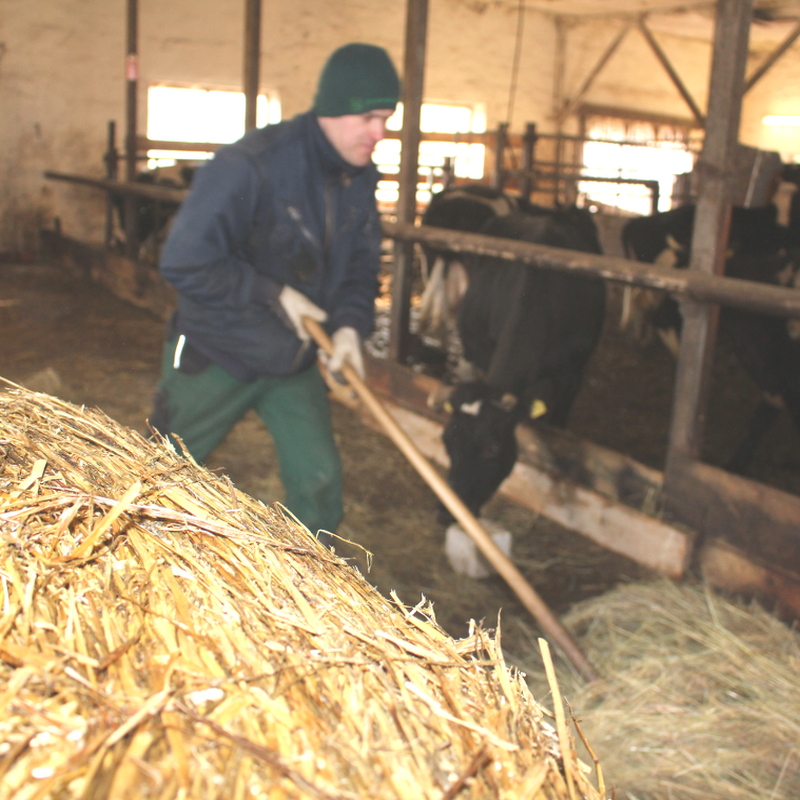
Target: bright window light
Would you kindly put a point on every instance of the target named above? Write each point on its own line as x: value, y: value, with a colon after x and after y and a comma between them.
x: 775, y: 121
x: 467, y: 158
x: 633, y: 151
x: 177, y: 114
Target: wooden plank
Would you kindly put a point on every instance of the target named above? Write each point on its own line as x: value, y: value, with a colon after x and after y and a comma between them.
x: 657, y: 545
x: 727, y: 568
x: 572, y: 104
x: 650, y: 542
x: 611, y: 474
x: 165, y: 193
x: 670, y: 70
x: 761, y: 521
x: 772, y: 58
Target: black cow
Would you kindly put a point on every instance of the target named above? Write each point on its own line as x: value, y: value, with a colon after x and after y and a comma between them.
x: 529, y: 331
x: 152, y: 216
x: 768, y: 347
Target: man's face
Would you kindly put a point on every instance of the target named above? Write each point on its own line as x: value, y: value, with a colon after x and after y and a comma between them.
x: 354, y: 136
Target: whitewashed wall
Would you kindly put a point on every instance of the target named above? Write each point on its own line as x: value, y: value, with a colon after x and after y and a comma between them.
x: 62, y: 77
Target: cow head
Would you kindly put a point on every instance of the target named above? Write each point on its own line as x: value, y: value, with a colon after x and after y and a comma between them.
x: 481, y: 443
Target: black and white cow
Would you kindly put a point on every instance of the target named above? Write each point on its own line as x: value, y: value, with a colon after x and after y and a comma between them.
x: 665, y: 239
x: 466, y: 207
x: 529, y: 332
x: 768, y: 347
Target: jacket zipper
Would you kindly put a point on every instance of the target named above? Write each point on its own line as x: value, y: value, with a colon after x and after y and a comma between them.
x: 328, y: 220
x: 298, y: 218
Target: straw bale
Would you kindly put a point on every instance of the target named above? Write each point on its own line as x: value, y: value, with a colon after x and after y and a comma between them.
x: 164, y: 635
x: 699, y: 699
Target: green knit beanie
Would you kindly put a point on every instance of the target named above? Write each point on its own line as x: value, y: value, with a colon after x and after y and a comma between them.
x: 356, y: 79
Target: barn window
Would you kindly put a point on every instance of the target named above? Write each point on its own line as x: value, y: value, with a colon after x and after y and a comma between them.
x: 454, y: 121
x: 618, y: 152
x: 176, y: 114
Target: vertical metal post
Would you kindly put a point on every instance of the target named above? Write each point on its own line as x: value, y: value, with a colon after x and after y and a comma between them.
x: 528, y: 146
x: 413, y: 79
x: 132, y: 86
x: 501, y: 142
x: 252, y: 55
x: 558, y: 102
x: 709, y: 240
x: 110, y: 159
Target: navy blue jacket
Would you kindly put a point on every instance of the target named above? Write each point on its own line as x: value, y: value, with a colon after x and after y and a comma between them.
x: 279, y: 206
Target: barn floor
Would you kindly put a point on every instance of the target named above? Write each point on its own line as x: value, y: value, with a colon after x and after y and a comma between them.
x: 73, y: 339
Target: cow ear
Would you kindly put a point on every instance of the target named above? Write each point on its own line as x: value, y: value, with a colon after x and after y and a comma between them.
x: 439, y: 399
x: 538, y: 409
x: 508, y: 402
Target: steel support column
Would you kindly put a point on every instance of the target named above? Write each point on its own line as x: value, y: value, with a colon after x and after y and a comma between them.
x: 131, y: 89
x: 252, y: 55
x: 413, y: 79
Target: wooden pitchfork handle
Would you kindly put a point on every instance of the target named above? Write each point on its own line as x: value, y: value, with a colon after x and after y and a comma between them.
x: 494, y: 555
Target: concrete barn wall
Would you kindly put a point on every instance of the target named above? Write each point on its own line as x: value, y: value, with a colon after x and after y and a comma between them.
x: 62, y: 77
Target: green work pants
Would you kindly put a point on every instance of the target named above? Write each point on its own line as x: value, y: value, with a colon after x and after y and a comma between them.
x: 201, y: 408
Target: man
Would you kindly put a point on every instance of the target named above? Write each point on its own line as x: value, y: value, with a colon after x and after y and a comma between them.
x: 278, y: 226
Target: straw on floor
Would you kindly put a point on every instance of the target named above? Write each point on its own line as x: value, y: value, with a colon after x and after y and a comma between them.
x: 164, y: 635
x: 700, y: 698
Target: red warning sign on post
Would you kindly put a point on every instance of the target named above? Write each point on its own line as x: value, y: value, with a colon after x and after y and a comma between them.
x: 132, y: 67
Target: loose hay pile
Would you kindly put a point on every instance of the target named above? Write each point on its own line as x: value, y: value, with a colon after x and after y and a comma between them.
x: 700, y: 699
x: 163, y: 635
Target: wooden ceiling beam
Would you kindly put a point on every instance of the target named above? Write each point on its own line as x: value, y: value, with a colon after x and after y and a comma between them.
x: 773, y: 57
x: 674, y: 77
x: 585, y: 86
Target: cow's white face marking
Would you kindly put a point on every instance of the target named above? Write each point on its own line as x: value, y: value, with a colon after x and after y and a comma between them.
x: 455, y: 286
x: 668, y: 257
x: 473, y: 408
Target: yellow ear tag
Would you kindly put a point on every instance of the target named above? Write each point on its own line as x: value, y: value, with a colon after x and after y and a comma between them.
x: 538, y: 409
x: 448, y: 407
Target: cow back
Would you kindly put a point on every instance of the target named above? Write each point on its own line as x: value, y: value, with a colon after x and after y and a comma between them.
x: 532, y: 329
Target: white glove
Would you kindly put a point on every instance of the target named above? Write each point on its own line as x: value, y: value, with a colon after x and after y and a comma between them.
x: 346, y: 348
x: 297, y: 305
